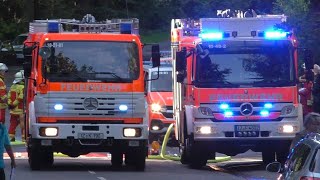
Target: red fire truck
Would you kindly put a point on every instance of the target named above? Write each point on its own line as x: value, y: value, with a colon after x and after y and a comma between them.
x: 235, y: 87
x: 85, y: 91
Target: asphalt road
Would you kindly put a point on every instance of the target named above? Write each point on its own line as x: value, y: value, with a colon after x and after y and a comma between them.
x: 100, y: 168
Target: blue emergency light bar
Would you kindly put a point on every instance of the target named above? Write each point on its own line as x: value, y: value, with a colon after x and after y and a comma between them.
x: 211, y: 36
x: 53, y: 27
x: 275, y: 34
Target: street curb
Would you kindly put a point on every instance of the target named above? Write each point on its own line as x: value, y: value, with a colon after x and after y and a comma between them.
x: 176, y: 158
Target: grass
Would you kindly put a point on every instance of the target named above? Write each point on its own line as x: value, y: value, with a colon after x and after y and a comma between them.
x: 155, y: 36
x: 17, y: 143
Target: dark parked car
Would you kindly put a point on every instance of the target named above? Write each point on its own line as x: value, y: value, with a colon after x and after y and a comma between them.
x: 303, y: 162
x: 17, y: 45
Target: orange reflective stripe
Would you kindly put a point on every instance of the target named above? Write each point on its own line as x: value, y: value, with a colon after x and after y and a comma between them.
x: 57, y: 119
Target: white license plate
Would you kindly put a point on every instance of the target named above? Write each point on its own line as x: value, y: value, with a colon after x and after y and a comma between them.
x: 247, y: 128
x: 90, y: 136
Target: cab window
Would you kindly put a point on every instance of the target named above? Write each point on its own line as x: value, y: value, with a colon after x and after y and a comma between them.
x: 298, y: 157
x: 316, y: 162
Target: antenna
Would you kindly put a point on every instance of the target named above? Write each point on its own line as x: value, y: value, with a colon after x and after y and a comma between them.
x: 127, y: 9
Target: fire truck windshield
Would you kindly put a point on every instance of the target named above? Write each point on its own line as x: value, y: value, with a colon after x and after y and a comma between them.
x: 81, y: 61
x: 237, y: 67
x: 164, y: 83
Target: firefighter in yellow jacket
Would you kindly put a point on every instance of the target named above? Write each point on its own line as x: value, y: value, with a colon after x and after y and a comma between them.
x: 15, y: 102
x: 3, y: 93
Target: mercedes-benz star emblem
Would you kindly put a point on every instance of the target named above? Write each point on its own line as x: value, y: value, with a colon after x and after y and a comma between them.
x: 90, y: 103
x: 246, y: 109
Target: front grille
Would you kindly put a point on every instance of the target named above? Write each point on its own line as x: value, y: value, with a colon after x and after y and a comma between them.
x: 167, y: 114
x: 90, y: 121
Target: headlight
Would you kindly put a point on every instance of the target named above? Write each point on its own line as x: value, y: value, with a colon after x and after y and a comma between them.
x: 205, y: 111
x: 155, y: 107
x: 48, y: 131
x: 131, y: 132
x: 287, y: 129
x: 205, y: 130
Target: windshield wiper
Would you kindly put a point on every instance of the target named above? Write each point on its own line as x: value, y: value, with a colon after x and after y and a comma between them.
x: 111, y: 73
x: 273, y: 82
x: 217, y: 83
x: 74, y: 74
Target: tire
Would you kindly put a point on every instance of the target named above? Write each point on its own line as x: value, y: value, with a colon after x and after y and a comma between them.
x: 34, y: 159
x: 40, y: 158
x: 140, y: 159
x: 116, y: 159
x: 184, y: 159
x: 198, y: 156
x: 268, y: 157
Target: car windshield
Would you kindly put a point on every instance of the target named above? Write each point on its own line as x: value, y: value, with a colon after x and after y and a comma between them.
x: 256, y: 67
x: 19, y: 40
x: 81, y: 61
x: 164, y: 83
x: 316, y: 163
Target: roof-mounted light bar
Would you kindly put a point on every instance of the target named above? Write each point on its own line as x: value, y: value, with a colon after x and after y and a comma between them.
x: 211, y: 36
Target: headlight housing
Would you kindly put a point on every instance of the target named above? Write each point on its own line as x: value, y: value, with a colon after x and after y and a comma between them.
x: 288, y: 110
x: 131, y: 132
x: 48, y: 131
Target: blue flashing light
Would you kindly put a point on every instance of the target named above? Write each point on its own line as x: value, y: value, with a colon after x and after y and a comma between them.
x: 125, y: 28
x: 275, y: 34
x: 123, y: 107
x: 264, y: 113
x: 211, y: 36
x: 58, y: 107
x: 228, y: 113
x: 268, y: 105
x: 53, y: 27
x: 224, y: 106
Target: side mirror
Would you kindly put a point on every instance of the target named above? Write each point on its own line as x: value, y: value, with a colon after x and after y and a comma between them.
x: 274, y: 167
x: 181, y: 65
x: 155, y: 56
x: 27, y: 68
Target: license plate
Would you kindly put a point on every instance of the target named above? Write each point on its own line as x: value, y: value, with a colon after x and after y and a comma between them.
x: 90, y: 135
x: 247, y: 128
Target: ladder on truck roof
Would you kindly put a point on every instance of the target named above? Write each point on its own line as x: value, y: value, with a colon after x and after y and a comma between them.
x: 123, y: 26
x: 243, y: 26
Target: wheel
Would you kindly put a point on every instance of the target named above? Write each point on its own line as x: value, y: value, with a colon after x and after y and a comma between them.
x: 198, y: 156
x: 140, y: 162
x: 268, y: 157
x: 34, y: 159
x: 39, y: 158
x: 184, y: 159
x: 116, y: 159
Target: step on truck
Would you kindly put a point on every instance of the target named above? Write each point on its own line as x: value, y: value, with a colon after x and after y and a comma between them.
x: 85, y: 90
x: 235, y: 87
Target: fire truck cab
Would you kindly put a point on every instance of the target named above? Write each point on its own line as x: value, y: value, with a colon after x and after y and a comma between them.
x: 235, y: 87
x: 159, y: 97
x: 85, y: 91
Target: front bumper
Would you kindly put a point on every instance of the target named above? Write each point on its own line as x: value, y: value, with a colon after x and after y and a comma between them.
x: 225, y: 131
x: 105, y: 131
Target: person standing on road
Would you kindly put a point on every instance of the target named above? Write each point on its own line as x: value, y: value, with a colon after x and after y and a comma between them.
x: 3, y: 93
x: 5, y: 144
x: 15, y: 102
x: 316, y: 89
x: 311, y: 124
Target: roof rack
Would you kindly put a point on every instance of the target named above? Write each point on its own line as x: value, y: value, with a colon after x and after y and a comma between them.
x: 88, y: 24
